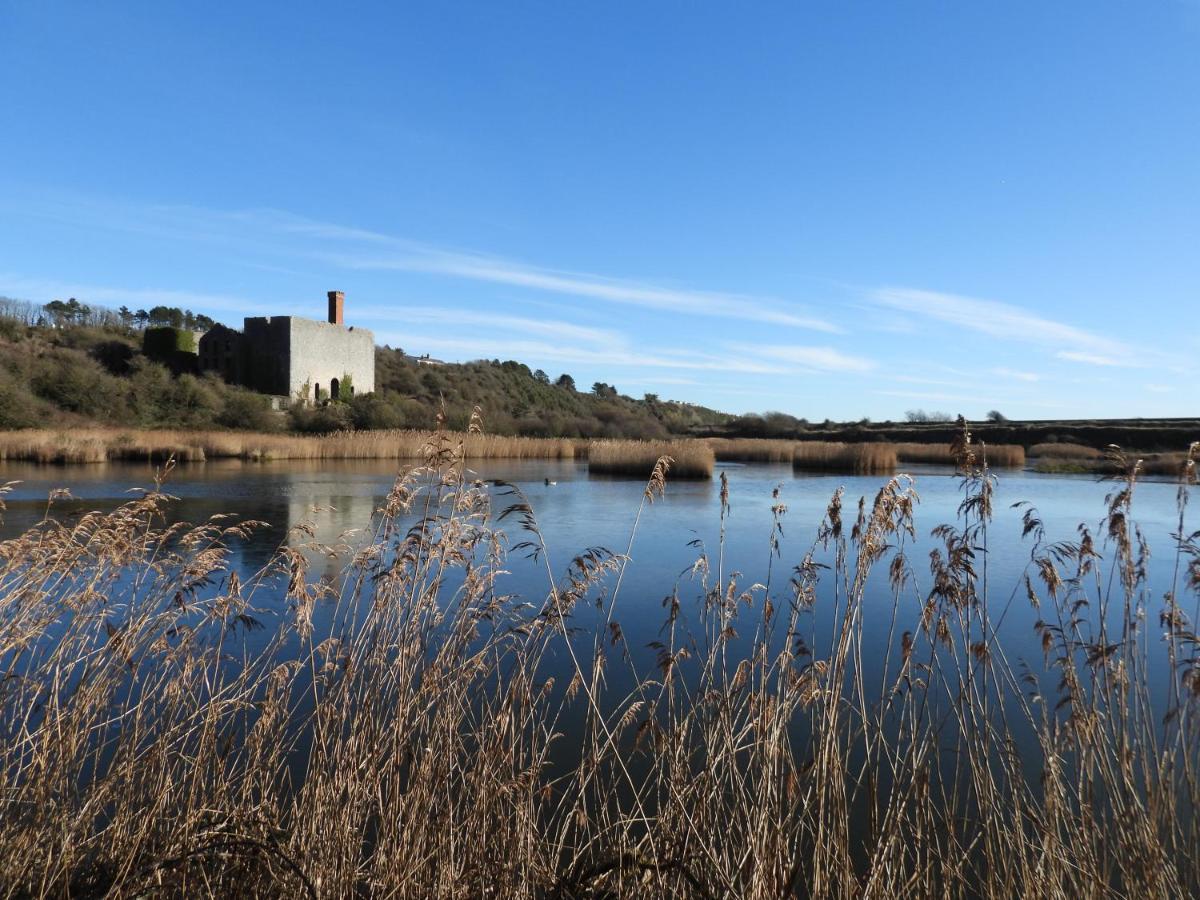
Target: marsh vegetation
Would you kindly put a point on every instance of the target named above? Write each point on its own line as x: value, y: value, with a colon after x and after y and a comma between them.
x: 407, y: 727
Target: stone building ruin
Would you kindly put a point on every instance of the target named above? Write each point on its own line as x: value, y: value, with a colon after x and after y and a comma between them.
x: 288, y: 356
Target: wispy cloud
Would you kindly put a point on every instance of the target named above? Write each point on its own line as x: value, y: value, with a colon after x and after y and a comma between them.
x: 918, y: 379
x: 577, y: 284
x: 1093, y: 359
x: 536, y: 352
x: 821, y: 359
x: 521, y: 325
x: 506, y: 336
x: 278, y: 232
x: 1016, y: 374
x: 674, y: 379
x: 378, y: 251
x: 44, y: 290
x: 968, y: 401
x: 1008, y: 322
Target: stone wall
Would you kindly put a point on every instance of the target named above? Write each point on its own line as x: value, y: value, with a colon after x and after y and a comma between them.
x: 220, y: 351
x: 322, y: 352
x: 292, y: 357
x: 266, y: 357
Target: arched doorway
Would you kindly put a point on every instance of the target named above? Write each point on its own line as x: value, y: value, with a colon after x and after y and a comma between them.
x: 335, y: 390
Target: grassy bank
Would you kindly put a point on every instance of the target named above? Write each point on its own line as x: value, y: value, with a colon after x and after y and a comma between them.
x: 877, y: 457
x: 694, y: 458
x: 94, y: 372
x: 95, y: 445
x: 421, y: 748
x: 1150, y: 435
x: 1168, y: 464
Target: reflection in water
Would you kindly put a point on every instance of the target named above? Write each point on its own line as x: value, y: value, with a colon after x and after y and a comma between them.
x: 310, y: 505
x: 336, y: 500
x: 330, y: 503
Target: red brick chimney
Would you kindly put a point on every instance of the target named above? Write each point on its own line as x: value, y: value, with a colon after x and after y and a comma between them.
x: 337, y: 307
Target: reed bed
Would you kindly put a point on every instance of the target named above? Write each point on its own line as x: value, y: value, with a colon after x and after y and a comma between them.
x: 1001, y: 456
x: 834, y: 456
x: 97, y: 445
x: 752, y: 449
x: 690, y: 458
x: 1164, y: 464
x: 395, y: 732
x: 1110, y: 462
x: 1064, y: 451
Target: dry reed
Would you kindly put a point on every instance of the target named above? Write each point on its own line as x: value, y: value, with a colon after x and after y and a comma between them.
x: 1005, y: 456
x: 394, y: 730
x: 1064, y: 451
x: 690, y: 458
x: 95, y: 445
x: 834, y: 456
x: 752, y: 449
x: 1097, y: 463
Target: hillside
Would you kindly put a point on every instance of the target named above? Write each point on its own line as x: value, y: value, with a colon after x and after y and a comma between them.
x: 1135, y: 434
x: 89, y: 368
x: 71, y: 365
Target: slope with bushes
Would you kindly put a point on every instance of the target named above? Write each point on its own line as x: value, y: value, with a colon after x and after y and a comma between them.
x: 75, y: 370
x: 511, y: 398
x: 78, y: 374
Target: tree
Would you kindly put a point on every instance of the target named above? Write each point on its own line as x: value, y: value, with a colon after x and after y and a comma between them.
x: 166, y: 316
x: 566, y: 381
x: 920, y: 415
x: 126, y: 316
x: 541, y: 377
x: 58, y: 312
x: 996, y: 416
x: 142, y: 318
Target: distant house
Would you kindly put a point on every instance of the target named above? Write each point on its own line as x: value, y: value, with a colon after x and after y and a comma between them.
x: 289, y: 356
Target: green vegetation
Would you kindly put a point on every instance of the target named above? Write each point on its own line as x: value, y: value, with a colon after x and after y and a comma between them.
x: 165, y: 341
x: 89, y: 364
x: 64, y: 364
x: 84, y: 373
x: 515, y: 400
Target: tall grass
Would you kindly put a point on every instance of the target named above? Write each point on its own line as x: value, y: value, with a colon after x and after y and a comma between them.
x: 1005, y: 456
x: 1065, y: 451
x: 752, y: 449
x: 94, y: 445
x: 690, y: 458
x: 396, y: 732
x: 835, y: 456
x: 1072, y: 458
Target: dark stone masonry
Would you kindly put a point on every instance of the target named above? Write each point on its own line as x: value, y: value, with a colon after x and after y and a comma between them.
x: 289, y: 356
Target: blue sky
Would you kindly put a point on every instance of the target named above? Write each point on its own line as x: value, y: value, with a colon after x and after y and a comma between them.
x: 832, y: 209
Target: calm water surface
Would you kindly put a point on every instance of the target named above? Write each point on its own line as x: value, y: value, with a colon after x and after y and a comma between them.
x: 580, y: 511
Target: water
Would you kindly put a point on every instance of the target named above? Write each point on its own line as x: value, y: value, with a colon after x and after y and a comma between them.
x: 579, y: 511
